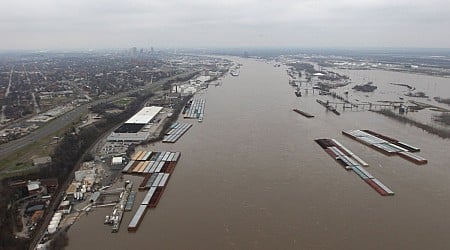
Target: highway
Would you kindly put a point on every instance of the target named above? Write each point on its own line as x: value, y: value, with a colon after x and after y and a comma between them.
x: 42, y: 132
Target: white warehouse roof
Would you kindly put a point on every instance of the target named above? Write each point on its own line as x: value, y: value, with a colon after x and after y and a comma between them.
x: 116, y: 161
x: 145, y: 115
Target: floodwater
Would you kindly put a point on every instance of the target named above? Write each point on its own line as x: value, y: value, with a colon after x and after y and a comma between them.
x: 432, y: 86
x: 251, y: 177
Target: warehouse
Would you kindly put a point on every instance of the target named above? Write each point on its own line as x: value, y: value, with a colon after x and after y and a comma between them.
x: 136, y: 128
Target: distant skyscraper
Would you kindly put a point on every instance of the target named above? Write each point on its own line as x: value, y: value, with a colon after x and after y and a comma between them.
x: 133, y: 51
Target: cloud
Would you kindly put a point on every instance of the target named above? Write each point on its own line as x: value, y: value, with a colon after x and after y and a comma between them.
x: 112, y: 23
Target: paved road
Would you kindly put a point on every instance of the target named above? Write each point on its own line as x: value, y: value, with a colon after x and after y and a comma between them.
x: 66, y: 119
x: 46, y: 130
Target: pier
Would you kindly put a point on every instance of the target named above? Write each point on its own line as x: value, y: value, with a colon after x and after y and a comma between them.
x: 116, y: 217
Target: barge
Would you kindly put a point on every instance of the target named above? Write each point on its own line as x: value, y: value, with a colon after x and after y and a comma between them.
x: 155, y: 162
x: 156, y: 167
x: 137, y: 218
x: 176, y: 131
x: 352, y: 162
x: 195, y: 109
x: 386, y: 145
x: 303, y: 113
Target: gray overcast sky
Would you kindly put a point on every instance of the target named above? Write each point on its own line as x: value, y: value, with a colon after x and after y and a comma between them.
x: 62, y: 24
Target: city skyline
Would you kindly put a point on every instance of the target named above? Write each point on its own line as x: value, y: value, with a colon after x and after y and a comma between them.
x: 49, y: 24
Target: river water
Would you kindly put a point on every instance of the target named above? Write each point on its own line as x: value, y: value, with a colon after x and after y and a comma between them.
x: 251, y: 177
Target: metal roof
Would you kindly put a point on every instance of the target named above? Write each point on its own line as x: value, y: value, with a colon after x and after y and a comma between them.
x: 145, y: 115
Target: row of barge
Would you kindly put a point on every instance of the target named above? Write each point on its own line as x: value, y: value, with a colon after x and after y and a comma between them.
x: 352, y: 162
x: 156, y: 168
x: 303, y: 113
x: 176, y: 131
x: 386, y: 145
x: 195, y: 109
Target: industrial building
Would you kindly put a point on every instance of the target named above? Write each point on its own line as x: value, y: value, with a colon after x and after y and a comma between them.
x: 136, y: 128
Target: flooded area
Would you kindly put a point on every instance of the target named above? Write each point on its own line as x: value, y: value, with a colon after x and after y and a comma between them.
x: 431, y: 86
x: 251, y: 177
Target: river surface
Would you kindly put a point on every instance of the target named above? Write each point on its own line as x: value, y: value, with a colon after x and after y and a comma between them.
x: 251, y: 177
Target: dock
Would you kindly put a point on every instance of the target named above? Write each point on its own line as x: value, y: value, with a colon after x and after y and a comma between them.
x: 352, y: 162
x: 176, y: 131
x: 116, y: 217
x: 386, y: 145
x: 303, y: 113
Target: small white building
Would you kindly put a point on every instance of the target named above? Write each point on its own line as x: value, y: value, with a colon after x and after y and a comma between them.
x: 33, y: 186
x: 116, y: 161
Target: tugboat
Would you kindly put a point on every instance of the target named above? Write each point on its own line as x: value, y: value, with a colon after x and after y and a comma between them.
x: 401, y: 109
x: 107, y: 220
x: 298, y: 93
